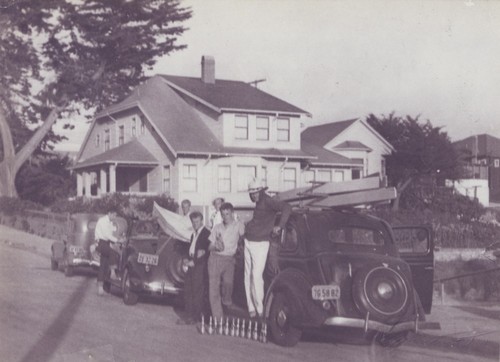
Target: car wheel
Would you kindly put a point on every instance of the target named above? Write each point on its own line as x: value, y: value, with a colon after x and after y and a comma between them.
x: 391, y: 340
x: 69, y: 271
x: 54, y: 265
x: 283, y: 309
x: 129, y: 297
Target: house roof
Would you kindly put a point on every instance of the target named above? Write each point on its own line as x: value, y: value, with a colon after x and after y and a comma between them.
x: 325, y: 157
x: 314, y: 138
x: 352, y: 145
x: 324, y: 133
x: 231, y: 95
x: 132, y: 152
x: 181, y: 128
x: 485, y: 144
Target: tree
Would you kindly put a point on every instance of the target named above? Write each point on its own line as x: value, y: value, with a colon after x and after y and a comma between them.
x: 46, y: 180
x: 420, y: 150
x: 88, y: 54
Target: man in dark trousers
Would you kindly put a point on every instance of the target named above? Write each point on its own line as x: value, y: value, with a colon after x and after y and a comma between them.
x: 195, y: 285
x: 258, y: 234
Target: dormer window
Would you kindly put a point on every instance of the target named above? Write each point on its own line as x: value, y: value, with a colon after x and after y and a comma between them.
x: 241, y: 127
x: 262, y: 132
x: 283, y: 129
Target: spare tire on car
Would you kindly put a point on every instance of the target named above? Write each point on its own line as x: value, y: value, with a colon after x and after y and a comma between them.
x: 381, y: 291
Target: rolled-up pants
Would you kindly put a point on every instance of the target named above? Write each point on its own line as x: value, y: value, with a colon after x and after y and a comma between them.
x: 220, y: 282
x: 255, y: 263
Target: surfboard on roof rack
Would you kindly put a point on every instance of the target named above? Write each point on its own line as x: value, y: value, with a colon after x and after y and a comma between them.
x: 367, y: 191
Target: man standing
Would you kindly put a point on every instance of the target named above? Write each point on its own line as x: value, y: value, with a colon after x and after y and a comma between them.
x: 196, y: 278
x: 104, y: 236
x: 257, y: 237
x: 186, y: 208
x: 223, y: 244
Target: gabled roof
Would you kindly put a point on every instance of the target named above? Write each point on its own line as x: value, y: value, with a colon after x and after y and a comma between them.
x: 324, y: 133
x: 180, y: 127
x: 131, y: 153
x: 230, y: 95
x: 352, y: 145
x: 325, y: 157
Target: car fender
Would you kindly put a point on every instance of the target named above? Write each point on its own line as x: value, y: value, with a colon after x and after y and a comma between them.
x: 295, y: 283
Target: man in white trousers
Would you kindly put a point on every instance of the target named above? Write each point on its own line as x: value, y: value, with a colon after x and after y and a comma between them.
x: 258, y: 234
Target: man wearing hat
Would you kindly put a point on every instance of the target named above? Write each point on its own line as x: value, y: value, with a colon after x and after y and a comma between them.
x: 258, y: 234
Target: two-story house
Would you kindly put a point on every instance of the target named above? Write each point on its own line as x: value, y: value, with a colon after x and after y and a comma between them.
x: 199, y: 138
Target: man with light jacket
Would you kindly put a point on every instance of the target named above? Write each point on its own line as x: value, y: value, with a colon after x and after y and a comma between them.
x: 258, y: 233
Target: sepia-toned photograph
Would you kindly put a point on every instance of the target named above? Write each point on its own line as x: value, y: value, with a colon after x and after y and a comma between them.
x: 249, y: 180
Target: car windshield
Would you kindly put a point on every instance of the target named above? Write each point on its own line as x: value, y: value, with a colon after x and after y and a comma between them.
x: 329, y: 231
x: 145, y: 228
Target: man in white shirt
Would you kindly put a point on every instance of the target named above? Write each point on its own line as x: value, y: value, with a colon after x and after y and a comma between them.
x: 104, y: 235
x: 223, y: 244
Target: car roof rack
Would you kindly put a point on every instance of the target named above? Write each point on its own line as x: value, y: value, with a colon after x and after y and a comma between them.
x: 346, y: 195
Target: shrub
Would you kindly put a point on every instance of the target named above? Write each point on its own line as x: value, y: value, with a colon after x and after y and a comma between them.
x: 13, y: 205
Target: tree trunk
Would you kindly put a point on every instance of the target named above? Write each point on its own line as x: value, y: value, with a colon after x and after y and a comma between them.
x: 401, y: 186
x: 7, y: 174
x: 12, y: 162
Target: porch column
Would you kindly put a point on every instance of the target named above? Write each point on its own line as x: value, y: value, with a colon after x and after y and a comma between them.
x: 112, y: 178
x: 87, y: 182
x: 79, y: 184
x: 103, y: 182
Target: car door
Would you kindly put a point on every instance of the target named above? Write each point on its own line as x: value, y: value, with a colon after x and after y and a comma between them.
x: 416, y: 247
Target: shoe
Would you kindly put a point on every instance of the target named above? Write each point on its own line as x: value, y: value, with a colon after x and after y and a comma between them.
x: 252, y: 314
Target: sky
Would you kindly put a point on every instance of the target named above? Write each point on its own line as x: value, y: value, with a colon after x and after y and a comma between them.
x: 346, y: 59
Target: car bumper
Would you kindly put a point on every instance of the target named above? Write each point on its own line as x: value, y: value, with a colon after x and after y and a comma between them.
x: 367, y: 324
x: 158, y: 288
x: 83, y: 262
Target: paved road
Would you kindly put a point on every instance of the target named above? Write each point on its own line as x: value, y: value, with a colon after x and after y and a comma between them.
x: 45, y: 316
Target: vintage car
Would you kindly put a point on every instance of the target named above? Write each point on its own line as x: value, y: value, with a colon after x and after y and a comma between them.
x: 74, y: 250
x: 339, y: 269
x: 345, y: 269
x: 151, y: 263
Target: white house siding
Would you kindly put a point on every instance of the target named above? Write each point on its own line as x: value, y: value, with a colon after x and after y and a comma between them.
x: 325, y: 174
x: 361, y: 133
x: 252, y: 142
x: 208, y: 178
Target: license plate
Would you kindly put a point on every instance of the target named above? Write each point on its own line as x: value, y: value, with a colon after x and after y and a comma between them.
x: 147, y: 259
x: 75, y: 249
x: 325, y: 292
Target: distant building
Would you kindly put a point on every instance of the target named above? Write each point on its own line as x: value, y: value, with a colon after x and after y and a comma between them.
x: 199, y: 138
x: 482, y: 155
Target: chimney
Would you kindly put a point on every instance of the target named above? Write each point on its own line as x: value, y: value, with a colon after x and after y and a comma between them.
x: 208, y: 69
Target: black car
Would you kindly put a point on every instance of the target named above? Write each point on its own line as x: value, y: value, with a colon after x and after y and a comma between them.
x: 343, y: 269
x: 74, y: 250
x: 151, y: 263
x: 346, y: 269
